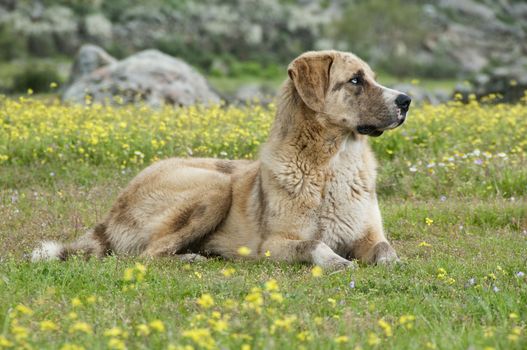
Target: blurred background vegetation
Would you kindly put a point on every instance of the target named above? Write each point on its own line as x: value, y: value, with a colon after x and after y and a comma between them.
x: 235, y: 42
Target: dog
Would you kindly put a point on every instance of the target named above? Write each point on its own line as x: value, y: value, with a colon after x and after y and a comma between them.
x: 309, y: 198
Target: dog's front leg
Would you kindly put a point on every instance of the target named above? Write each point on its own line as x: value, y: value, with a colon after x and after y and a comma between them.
x: 374, y: 248
x: 307, y: 251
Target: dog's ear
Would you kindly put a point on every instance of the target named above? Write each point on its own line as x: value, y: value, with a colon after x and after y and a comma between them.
x: 310, y: 74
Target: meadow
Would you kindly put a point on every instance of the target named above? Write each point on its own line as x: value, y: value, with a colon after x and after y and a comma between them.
x: 453, y: 193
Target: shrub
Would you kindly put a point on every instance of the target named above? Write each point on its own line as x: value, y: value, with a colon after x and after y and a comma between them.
x: 35, y: 77
x: 11, y: 46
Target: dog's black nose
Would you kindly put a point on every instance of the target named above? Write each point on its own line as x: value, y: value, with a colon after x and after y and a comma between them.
x: 403, y: 102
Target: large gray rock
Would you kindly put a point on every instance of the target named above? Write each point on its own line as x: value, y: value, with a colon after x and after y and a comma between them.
x: 422, y: 95
x: 89, y: 58
x: 149, y: 75
x: 509, y: 81
x: 254, y: 92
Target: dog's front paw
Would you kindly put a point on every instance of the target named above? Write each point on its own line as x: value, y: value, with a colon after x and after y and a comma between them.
x: 326, y: 258
x: 384, y: 254
x: 339, y: 264
x: 190, y: 258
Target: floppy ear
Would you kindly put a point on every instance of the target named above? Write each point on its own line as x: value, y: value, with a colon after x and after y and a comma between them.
x: 310, y: 74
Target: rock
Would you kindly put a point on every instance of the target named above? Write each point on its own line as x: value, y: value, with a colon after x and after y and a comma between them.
x: 254, y: 92
x: 149, y: 75
x: 97, y: 29
x: 89, y: 58
x: 469, y: 8
x: 508, y: 81
x: 421, y: 95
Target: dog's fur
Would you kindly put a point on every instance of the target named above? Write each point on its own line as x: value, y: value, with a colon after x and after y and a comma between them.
x: 309, y: 198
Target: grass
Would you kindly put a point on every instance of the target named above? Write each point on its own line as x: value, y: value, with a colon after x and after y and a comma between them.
x: 452, y: 188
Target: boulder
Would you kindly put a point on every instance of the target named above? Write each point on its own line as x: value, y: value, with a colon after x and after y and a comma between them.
x: 254, y: 93
x: 510, y: 82
x: 149, y: 76
x: 89, y: 58
x: 422, y: 95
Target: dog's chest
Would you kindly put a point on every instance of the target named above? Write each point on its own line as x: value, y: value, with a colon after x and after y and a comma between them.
x: 346, y: 203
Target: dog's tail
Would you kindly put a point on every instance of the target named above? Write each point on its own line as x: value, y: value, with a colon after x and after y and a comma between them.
x: 93, y: 243
x: 48, y: 250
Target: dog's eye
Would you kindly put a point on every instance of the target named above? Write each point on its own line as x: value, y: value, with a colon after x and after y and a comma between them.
x: 355, y: 80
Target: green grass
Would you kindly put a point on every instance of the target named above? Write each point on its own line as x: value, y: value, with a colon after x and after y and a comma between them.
x: 447, y: 316
x: 460, y: 230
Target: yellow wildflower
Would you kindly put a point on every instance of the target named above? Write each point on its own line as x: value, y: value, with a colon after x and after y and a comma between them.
x: 271, y: 285
x: 81, y: 327
x: 142, y: 329
x: 4, y: 342
x: 69, y: 346
x: 488, y: 332
x: 20, y: 333
x: 284, y: 323
x: 76, y: 302
x: 117, y: 344
x: 317, y: 271
x: 228, y: 272
x: 113, y: 332
x: 304, y: 336
x: 220, y: 325
x: 157, y: 325
x: 386, y: 327
x: 205, y: 301
x: 407, y: 321
x: 200, y: 336
x: 373, y: 339
x: 47, y: 325
x: 244, y: 251
x: 341, y: 339
x: 430, y: 345
x: 24, y: 310
x: 515, y: 334
x: 128, y: 274
x: 277, y: 297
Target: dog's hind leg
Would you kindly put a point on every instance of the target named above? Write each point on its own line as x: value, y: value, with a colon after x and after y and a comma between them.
x: 183, y: 228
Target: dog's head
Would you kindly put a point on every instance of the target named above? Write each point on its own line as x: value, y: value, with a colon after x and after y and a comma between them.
x: 342, y: 88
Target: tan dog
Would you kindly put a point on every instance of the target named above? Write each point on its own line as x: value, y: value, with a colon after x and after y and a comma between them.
x: 309, y: 198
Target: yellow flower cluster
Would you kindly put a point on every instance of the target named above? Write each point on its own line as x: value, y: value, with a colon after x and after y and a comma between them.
x: 21, y: 332
x: 442, y: 275
x: 46, y: 131
x: 133, y: 276
x: 39, y: 131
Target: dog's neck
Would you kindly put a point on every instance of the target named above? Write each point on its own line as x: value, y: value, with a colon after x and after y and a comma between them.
x: 314, y: 141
